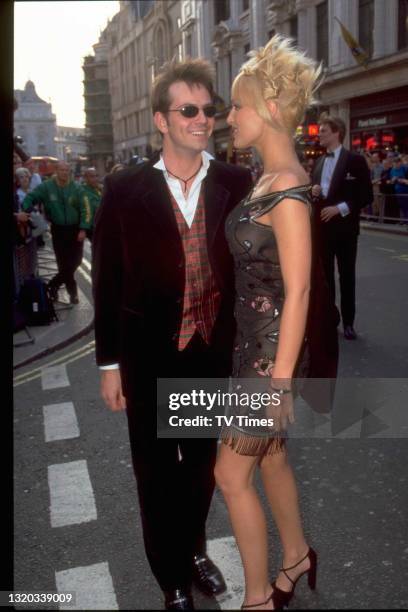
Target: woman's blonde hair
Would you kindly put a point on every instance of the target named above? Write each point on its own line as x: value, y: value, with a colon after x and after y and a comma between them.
x: 282, y: 74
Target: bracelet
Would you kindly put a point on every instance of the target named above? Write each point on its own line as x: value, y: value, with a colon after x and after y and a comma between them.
x: 281, y: 391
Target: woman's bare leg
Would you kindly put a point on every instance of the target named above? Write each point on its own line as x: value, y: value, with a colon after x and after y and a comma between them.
x: 281, y: 491
x: 234, y: 475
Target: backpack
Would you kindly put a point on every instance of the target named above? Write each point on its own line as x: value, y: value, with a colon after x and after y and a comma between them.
x: 35, y: 302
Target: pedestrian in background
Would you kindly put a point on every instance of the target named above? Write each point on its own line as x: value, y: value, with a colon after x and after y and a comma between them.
x: 67, y: 209
x: 93, y: 192
x: 399, y: 178
x: 342, y: 188
x: 35, y: 178
x: 376, y: 170
x: 23, y: 185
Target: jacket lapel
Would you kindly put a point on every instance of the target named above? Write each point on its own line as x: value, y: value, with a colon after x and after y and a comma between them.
x: 338, y: 173
x: 216, y: 197
x: 317, y: 173
x: 157, y: 204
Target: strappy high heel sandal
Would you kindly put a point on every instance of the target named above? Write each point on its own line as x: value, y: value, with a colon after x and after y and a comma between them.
x: 284, y: 597
x: 274, y: 597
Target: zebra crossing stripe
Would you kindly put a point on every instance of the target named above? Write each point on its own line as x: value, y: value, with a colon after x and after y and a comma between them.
x: 54, y: 377
x: 72, y: 499
x: 60, y: 422
x: 92, y: 586
x: 225, y: 554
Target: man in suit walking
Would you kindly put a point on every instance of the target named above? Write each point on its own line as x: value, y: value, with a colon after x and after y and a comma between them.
x: 163, y: 293
x: 341, y: 188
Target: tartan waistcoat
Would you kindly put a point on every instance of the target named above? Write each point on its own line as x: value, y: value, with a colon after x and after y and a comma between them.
x: 201, y: 295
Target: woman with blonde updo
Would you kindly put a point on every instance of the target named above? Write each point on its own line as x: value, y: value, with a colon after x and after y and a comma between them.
x: 269, y: 235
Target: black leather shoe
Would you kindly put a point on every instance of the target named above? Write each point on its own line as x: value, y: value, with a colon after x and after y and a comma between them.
x: 178, y: 599
x: 349, y: 332
x: 207, y: 577
x: 52, y: 292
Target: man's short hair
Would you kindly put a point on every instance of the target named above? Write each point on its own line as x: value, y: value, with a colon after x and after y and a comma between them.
x: 190, y: 71
x: 336, y: 125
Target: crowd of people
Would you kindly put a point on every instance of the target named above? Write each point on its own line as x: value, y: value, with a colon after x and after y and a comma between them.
x: 64, y: 206
x: 389, y: 177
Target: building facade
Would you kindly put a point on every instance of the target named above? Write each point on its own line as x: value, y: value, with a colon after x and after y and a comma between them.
x: 141, y: 37
x: 372, y: 99
x: 71, y: 143
x: 35, y: 122
x: 98, y: 113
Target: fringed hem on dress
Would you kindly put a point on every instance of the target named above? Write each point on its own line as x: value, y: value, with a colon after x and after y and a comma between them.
x: 253, y: 446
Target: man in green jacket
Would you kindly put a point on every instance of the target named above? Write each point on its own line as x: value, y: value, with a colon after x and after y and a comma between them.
x: 93, y: 192
x: 68, y: 210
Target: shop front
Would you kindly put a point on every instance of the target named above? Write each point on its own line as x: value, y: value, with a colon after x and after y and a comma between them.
x: 379, y: 122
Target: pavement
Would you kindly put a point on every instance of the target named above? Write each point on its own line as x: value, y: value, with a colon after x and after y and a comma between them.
x: 74, y: 321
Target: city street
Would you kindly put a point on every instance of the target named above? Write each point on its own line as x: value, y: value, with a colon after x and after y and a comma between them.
x: 77, y: 525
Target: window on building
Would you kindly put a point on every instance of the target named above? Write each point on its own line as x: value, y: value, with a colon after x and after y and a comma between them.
x: 245, y: 5
x: 402, y: 24
x: 366, y: 25
x: 322, y: 33
x: 293, y: 28
x: 160, y: 52
x: 221, y: 10
x: 187, y: 43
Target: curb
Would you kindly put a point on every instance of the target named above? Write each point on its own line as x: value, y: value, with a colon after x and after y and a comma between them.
x: 56, y: 347
x: 385, y: 228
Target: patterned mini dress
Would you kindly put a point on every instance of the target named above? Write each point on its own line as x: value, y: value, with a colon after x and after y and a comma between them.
x: 258, y: 309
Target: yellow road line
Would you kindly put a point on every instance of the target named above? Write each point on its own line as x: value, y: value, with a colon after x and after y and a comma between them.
x: 50, y: 363
x: 21, y: 382
x: 85, y: 275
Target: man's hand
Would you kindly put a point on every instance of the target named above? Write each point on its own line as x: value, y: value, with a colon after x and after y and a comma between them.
x: 81, y: 235
x: 316, y: 191
x: 328, y: 213
x: 111, y: 390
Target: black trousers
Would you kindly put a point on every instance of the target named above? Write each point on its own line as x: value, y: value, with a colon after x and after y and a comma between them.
x: 68, y: 254
x: 175, y: 477
x: 343, y: 249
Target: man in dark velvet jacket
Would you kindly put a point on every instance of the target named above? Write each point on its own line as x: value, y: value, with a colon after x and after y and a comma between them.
x: 163, y: 293
x: 342, y: 187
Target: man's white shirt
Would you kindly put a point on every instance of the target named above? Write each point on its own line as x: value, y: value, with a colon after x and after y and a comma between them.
x: 187, y: 205
x: 329, y: 166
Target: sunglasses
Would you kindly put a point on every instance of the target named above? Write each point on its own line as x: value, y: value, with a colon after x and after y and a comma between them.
x: 191, y: 110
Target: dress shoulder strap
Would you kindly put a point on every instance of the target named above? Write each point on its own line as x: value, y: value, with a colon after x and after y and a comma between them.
x: 264, y: 204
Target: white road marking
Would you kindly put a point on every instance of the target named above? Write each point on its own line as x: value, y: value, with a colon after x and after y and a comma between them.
x: 86, y: 263
x: 92, y: 585
x: 60, y: 422
x: 54, y: 377
x: 71, y: 494
x: 85, y: 275
x: 225, y: 554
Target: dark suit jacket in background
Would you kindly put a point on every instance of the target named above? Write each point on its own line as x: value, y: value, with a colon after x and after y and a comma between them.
x: 139, y: 270
x: 350, y: 183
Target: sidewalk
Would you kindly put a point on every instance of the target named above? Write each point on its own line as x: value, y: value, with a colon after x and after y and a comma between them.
x: 389, y: 228
x: 73, y: 321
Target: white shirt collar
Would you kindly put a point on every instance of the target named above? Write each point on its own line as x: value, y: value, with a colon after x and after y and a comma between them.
x: 206, y: 157
x: 337, y: 151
